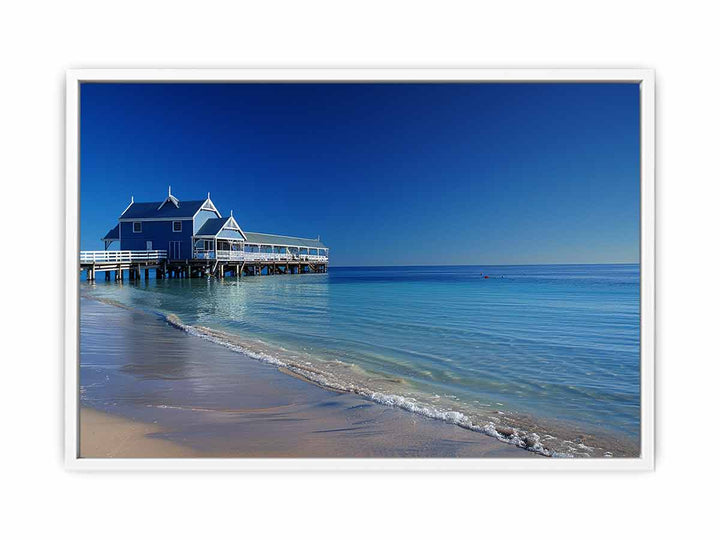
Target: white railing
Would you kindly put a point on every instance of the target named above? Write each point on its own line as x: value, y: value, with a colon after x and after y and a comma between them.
x: 315, y: 258
x: 228, y: 255
x: 88, y: 257
x: 207, y: 254
x: 122, y: 256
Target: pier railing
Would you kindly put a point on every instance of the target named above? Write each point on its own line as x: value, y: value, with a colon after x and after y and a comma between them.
x: 87, y: 257
x: 245, y: 256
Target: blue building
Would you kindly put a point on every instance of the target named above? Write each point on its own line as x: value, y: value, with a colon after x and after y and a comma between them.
x: 195, y: 230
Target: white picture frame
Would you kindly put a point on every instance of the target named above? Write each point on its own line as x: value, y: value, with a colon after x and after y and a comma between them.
x: 644, y: 77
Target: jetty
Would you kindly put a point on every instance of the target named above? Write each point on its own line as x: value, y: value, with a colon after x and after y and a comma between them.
x: 187, y: 239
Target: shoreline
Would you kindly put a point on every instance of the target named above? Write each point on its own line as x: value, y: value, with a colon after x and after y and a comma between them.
x: 265, y: 412
x: 489, y: 377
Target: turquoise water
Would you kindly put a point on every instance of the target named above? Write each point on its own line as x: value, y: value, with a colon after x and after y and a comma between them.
x: 543, y: 356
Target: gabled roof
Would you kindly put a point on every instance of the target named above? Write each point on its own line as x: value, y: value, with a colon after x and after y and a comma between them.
x: 159, y: 210
x: 112, y: 234
x: 279, y: 240
x: 170, y: 199
x: 212, y: 227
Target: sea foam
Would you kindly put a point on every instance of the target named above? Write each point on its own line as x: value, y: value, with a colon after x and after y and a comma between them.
x: 527, y: 440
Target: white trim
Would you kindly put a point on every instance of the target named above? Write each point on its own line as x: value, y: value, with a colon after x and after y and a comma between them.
x: 133, y: 227
x: 132, y: 201
x: 647, y: 270
x: 643, y: 76
x: 369, y: 74
x: 72, y: 250
x: 127, y: 220
x: 170, y: 198
x: 211, y: 209
x: 235, y: 227
x: 281, y: 245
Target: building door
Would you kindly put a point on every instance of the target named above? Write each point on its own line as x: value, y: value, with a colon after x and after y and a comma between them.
x: 148, y: 245
x: 174, y: 249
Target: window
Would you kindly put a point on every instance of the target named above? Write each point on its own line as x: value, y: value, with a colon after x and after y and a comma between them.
x: 137, y: 226
x: 177, y: 226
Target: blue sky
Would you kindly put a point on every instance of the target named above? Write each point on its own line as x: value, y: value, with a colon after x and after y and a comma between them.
x: 386, y: 174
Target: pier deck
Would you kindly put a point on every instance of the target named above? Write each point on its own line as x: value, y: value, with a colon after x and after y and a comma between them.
x: 235, y: 264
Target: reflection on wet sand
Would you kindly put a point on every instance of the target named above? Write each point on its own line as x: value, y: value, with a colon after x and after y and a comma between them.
x: 205, y: 400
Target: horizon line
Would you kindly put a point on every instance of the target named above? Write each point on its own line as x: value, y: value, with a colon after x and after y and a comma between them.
x: 474, y: 264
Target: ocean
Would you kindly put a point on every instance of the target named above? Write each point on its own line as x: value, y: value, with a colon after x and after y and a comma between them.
x: 546, y: 357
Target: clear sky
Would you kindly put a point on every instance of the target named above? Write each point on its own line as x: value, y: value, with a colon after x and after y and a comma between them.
x: 386, y: 174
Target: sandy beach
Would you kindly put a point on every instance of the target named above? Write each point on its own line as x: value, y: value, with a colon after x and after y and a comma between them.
x: 150, y: 390
x: 107, y: 436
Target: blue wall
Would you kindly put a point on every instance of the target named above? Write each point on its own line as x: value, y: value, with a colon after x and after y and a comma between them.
x: 160, y: 233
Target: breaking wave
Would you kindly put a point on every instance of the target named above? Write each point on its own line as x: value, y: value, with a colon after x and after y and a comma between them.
x: 543, y: 438
x: 523, y: 439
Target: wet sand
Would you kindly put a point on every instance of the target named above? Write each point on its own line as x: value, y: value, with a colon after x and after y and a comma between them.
x: 106, y: 436
x: 150, y: 390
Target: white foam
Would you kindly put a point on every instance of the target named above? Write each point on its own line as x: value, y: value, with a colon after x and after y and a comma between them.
x: 527, y: 441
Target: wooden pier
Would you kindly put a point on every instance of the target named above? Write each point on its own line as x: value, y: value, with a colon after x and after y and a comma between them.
x: 139, y: 264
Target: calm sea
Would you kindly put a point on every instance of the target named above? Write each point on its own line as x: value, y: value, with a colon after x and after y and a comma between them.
x: 546, y: 357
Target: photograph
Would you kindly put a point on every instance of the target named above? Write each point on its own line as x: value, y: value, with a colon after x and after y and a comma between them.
x: 358, y: 269
x: 398, y: 269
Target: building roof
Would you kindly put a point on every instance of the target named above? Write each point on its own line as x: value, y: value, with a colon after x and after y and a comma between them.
x: 112, y: 234
x: 160, y: 210
x: 214, y: 226
x: 211, y: 227
x: 279, y: 240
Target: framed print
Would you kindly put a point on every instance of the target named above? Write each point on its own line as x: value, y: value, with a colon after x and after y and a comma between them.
x: 360, y: 269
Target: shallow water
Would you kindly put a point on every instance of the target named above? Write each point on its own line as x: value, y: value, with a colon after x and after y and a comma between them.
x: 545, y: 356
x: 218, y: 403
